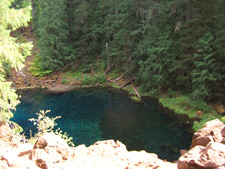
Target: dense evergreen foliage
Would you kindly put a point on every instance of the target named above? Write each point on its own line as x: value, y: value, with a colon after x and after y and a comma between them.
x: 53, y: 32
x: 12, y: 53
x: 176, y: 45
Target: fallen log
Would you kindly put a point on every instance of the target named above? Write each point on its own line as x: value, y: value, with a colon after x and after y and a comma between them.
x: 109, y: 80
x: 46, y: 81
x: 96, y: 85
x: 115, y: 80
x: 135, y: 90
x: 118, y: 78
x: 127, y: 83
x: 107, y: 71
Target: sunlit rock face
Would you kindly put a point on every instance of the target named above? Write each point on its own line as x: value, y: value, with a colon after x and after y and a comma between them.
x: 51, y: 152
x: 207, y: 148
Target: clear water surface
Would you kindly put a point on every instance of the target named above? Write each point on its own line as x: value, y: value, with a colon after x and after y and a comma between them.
x: 89, y: 115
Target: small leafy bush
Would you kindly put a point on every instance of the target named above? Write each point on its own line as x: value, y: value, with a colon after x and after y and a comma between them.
x: 89, y: 80
x: 101, y: 78
x: 78, y: 74
x: 47, y: 124
x: 99, y: 66
x: 64, y: 81
x: 205, y: 118
x: 92, y: 80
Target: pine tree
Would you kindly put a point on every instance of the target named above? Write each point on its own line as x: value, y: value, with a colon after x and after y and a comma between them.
x: 120, y: 24
x: 154, y: 49
x: 206, y: 70
x: 85, y: 30
x: 12, y: 53
x: 55, y: 50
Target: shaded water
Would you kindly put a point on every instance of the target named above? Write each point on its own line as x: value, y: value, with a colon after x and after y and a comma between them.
x: 89, y: 115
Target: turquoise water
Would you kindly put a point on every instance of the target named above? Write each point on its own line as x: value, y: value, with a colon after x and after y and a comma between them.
x: 89, y: 115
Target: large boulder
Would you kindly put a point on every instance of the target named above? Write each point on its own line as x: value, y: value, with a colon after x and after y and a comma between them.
x: 212, y: 131
x: 12, y: 157
x: 50, y: 149
x: 210, y: 157
x: 111, y: 154
x: 51, y: 152
x: 207, y: 148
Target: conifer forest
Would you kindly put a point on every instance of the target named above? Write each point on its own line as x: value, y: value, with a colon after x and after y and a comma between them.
x: 165, y: 45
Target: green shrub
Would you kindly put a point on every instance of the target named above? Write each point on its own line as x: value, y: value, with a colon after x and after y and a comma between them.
x: 89, y: 80
x: 205, y: 118
x: 47, y: 124
x: 99, y: 66
x: 64, y: 81
x: 114, y: 74
x: 36, y: 69
x: 92, y: 80
x: 185, y: 105
x: 101, y: 78
x: 78, y: 74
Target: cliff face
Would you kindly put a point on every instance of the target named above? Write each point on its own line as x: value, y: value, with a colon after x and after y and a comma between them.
x: 51, y: 152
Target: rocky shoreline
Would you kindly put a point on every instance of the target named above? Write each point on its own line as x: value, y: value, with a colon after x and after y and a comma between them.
x: 51, y: 152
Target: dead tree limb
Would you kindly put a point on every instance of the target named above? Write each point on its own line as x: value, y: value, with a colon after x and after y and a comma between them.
x: 107, y: 55
x: 135, y: 90
x: 107, y: 71
x: 46, y: 81
x: 97, y: 84
x: 118, y: 78
x: 115, y: 80
x: 127, y: 83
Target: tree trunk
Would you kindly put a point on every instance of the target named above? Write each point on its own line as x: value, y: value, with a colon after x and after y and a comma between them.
x: 188, y: 12
x: 107, y: 55
x: 33, y: 8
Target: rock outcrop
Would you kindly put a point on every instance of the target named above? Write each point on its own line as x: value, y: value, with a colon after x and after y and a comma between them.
x: 207, y: 148
x: 51, y: 152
